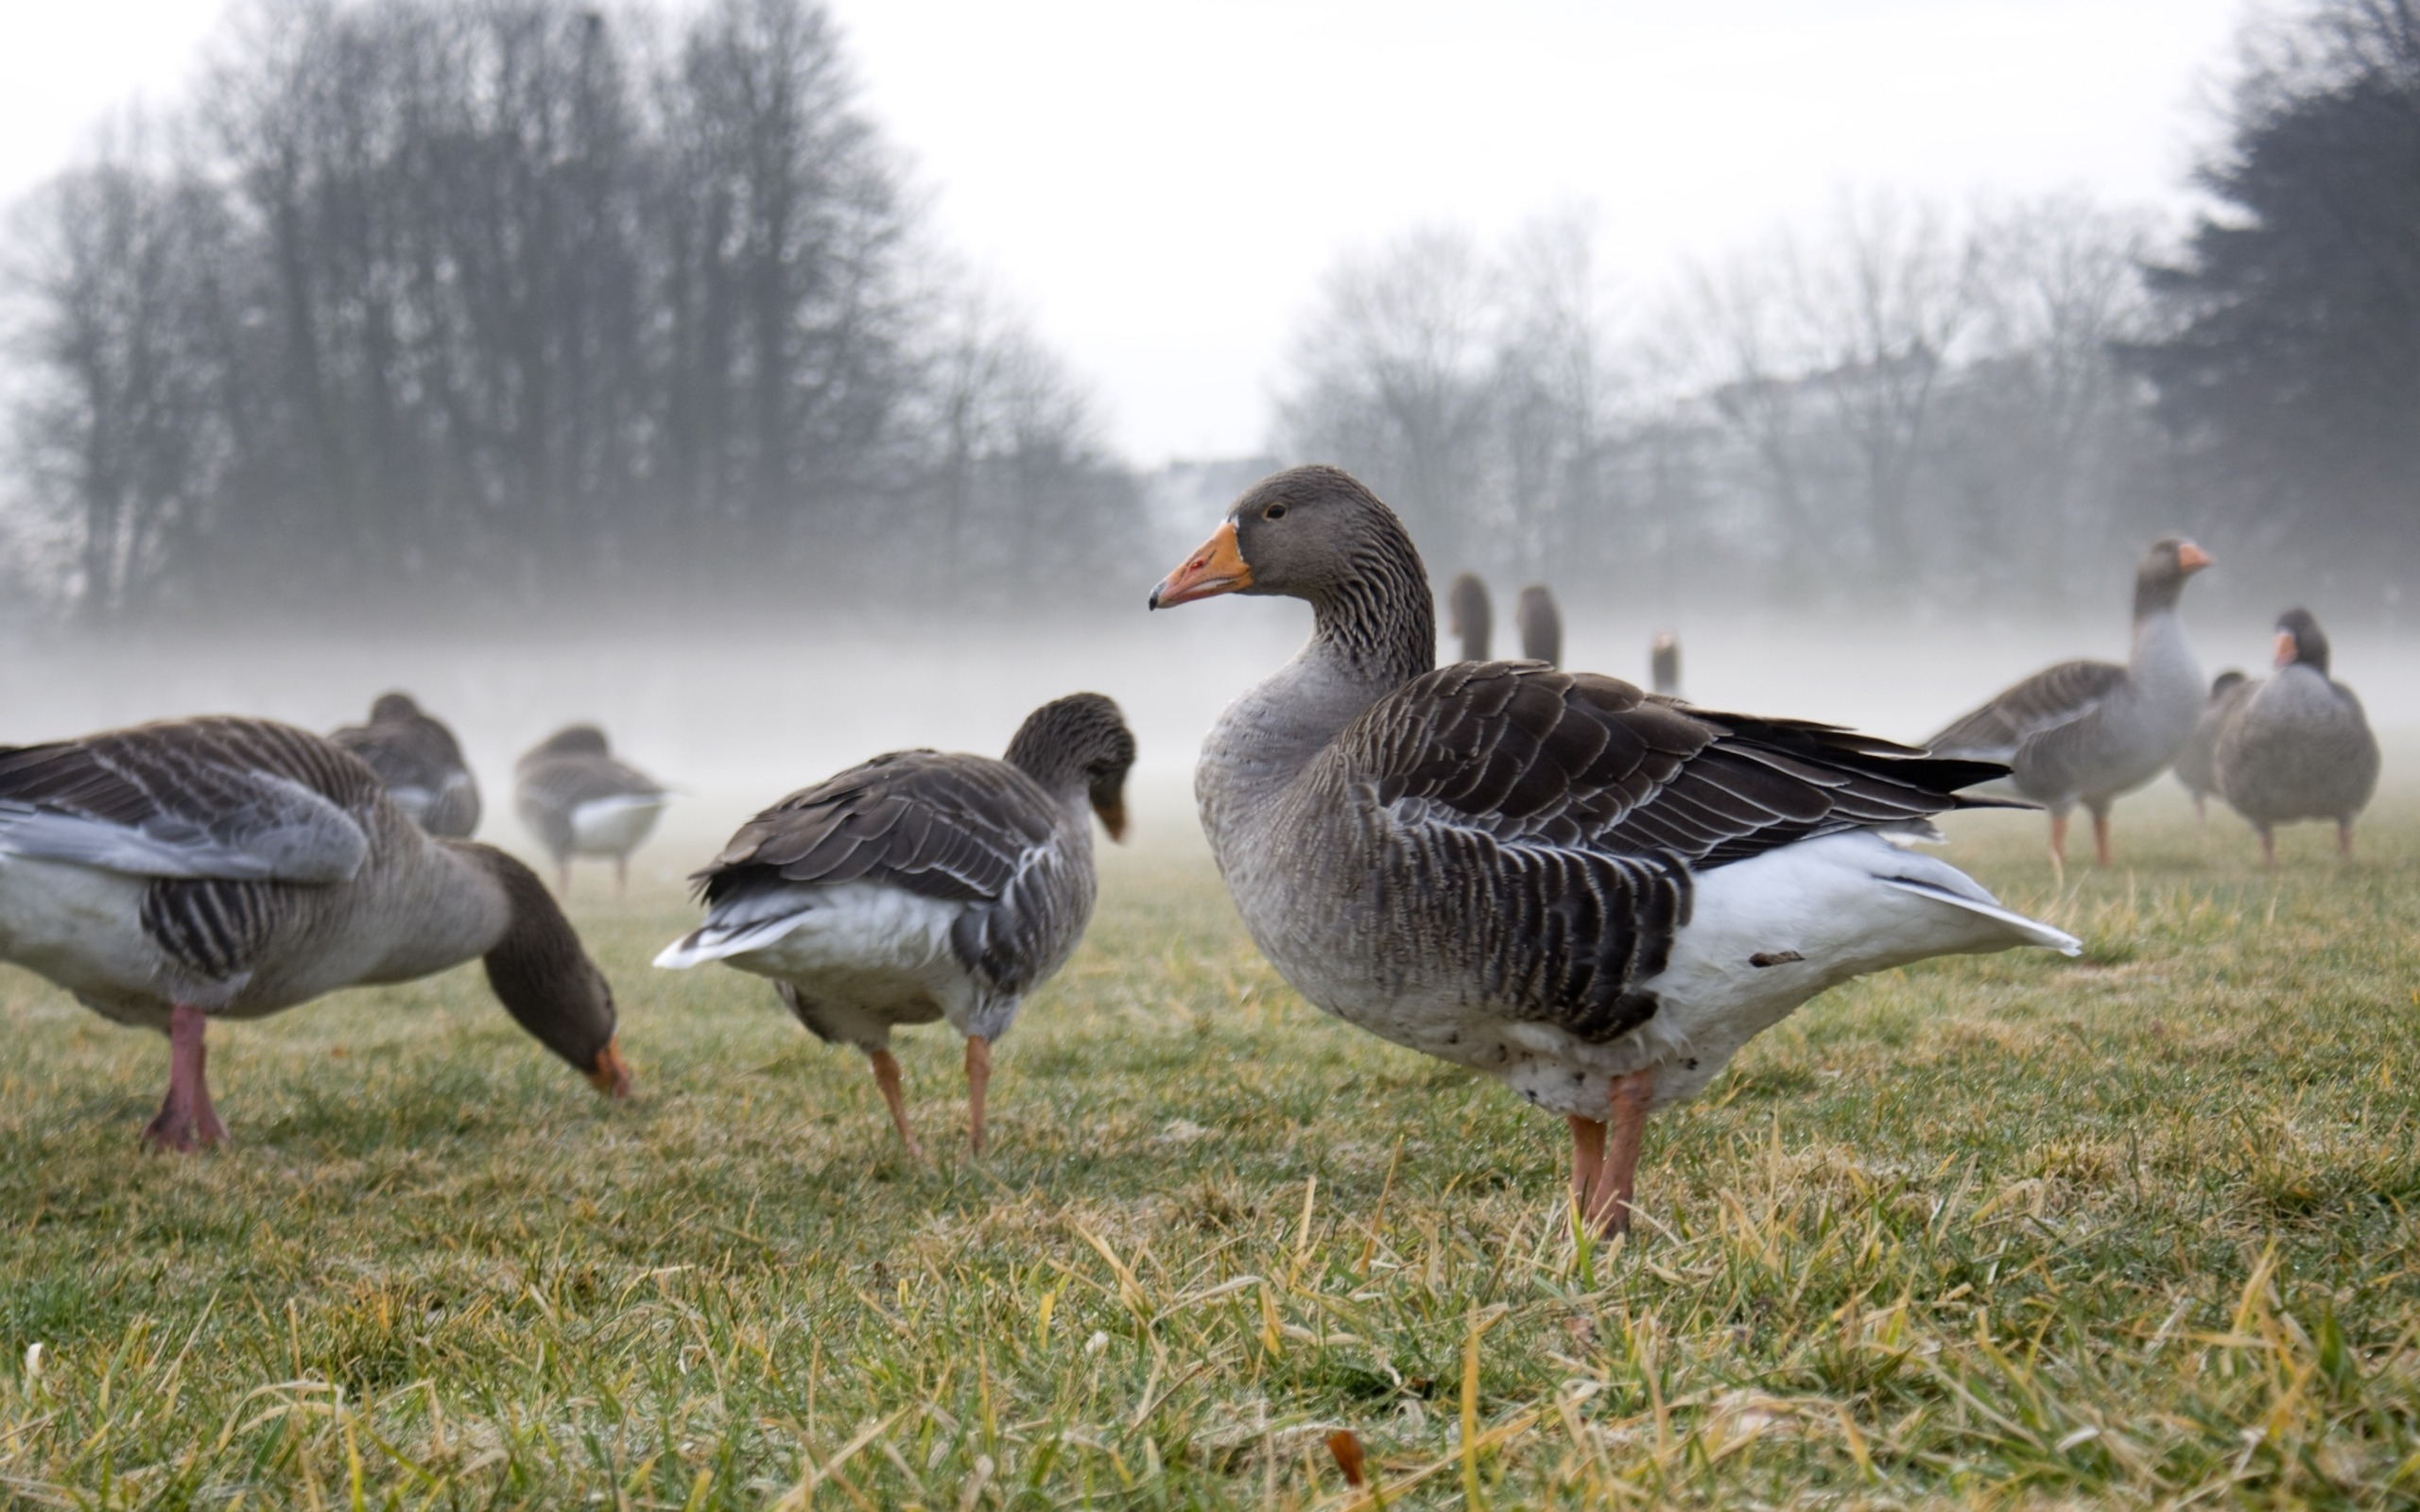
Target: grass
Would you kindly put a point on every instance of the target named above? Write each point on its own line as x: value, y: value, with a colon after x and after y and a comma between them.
x: 2012, y: 1231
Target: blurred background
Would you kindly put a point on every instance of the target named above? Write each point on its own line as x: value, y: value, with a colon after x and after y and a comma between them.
x: 777, y: 382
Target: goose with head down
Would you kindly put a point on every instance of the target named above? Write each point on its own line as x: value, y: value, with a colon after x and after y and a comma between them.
x: 2089, y: 731
x: 174, y: 873
x: 1552, y: 878
x: 421, y: 762
x: 921, y: 885
x: 2296, y: 745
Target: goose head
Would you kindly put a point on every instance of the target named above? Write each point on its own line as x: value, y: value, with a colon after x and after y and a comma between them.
x: 542, y: 975
x: 2161, y: 578
x: 2300, y: 638
x: 2226, y: 682
x: 1079, y: 739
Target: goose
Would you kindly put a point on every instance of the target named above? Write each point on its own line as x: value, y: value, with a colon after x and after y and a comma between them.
x: 2089, y: 731
x: 921, y: 885
x: 2194, y: 757
x: 421, y: 762
x: 1663, y: 664
x: 1588, y: 893
x: 1474, y: 617
x: 192, y: 869
x: 580, y: 802
x: 2296, y: 745
x: 1540, y: 626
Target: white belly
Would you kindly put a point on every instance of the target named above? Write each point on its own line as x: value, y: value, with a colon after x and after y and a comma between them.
x: 879, y: 950
x: 613, y: 826
x: 81, y: 928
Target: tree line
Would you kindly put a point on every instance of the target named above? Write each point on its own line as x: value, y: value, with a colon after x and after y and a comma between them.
x: 431, y: 304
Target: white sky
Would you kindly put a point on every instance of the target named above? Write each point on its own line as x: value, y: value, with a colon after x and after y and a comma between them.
x: 1162, y: 181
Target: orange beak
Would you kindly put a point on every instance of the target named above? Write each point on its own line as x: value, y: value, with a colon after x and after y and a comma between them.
x: 2287, y: 652
x: 611, y: 1074
x: 1216, y: 568
x: 2192, y: 558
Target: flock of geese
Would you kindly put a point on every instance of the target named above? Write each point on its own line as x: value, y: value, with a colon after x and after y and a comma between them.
x: 1593, y: 893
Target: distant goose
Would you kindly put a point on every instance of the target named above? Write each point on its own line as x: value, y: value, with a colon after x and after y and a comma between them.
x: 2087, y: 731
x: 2194, y: 758
x: 1540, y: 626
x: 921, y: 886
x: 1474, y: 619
x: 1552, y: 878
x: 421, y: 762
x: 2296, y: 745
x: 1663, y: 664
x: 580, y: 802
x: 227, y: 868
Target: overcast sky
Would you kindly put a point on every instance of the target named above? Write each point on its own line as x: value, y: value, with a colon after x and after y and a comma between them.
x: 1160, y: 183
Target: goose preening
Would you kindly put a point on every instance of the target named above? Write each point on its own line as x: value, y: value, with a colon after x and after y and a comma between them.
x: 580, y: 802
x: 1552, y: 878
x: 421, y: 762
x: 2296, y: 745
x: 193, y: 869
x: 2194, y: 758
x: 1474, y: 619
x: 921, y: 885
x: 2089, y: 731
x: 1663, y: 664
x: 1541, y: 625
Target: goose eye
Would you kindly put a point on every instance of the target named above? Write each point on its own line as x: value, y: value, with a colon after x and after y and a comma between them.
x: 1275, y: 511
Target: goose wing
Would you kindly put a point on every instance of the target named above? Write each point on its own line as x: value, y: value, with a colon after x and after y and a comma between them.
x: 1542, y: 827
x: 2051, y: 698
x: 229, y: 799
x: 422, y: 766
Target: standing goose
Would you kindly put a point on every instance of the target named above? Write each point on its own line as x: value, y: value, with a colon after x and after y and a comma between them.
x: 2296, y: 745
x: 421, y: 762
x: 1593, y: 895
x: 1541, y: 625
x: 195, y: 870
x: 2194, y: 758
x: 2087, y: 731
x: 1663, y: 664
x: 580, y: 802
x: 1474, y: 619
x: 921, y: 885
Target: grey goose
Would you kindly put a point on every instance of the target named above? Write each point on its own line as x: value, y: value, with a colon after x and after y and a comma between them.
x: 174, y: 873
x: 580, y: 802
x: 2089, y: 731
x: 1591, y: 894
x: 2296, y: 745
x: 2194, y: 759
x: 1664, y: 664
x: 1474, y: 617
x: 1541, y: 625
x: 921, y: 885
x: 421, y: 762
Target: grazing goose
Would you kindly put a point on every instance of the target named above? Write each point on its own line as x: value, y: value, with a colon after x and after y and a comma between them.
x: 2296, y: 745
x: 1663, y: 664
x: 195, y: 870
x: 1541, y: 625
x: 1473, y: 616
x: 2194, y: 758
x: 2087, y: 731
x: 580, y: 802
x: 921, y: 885
x: 421, y: 762
x: 1552, y: 878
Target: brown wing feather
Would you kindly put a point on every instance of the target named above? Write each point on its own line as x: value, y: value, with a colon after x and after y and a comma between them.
x: 2051, y: 698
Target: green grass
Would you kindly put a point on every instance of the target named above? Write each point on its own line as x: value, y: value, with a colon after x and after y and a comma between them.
x: 2013, y: 1231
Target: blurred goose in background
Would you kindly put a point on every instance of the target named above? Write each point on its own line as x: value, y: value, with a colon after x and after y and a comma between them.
x: 1663, y: 664
x: 1474, y: 619
x: 580, y: 802
x: 2087, y: 731
x: 421, y: 762
x: 1541, y: 625
x: 174, y: 873
x: 1552, y: 878
x: 921, y: 885
x: 2195, y: 757
x: 2296, y: 745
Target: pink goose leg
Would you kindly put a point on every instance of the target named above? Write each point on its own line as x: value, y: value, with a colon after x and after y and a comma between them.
x: 186, y: 1121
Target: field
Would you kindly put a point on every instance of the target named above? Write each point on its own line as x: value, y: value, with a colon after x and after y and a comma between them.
x: 2141, y: 1229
